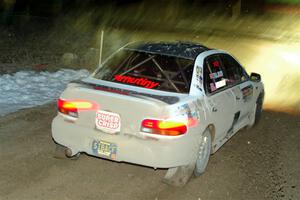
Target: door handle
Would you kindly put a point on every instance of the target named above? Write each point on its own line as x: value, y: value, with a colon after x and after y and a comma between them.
x: 237, y: 98
x: 214, y: 109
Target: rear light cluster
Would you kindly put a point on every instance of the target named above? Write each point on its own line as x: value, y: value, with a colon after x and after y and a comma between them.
x: 71, y: 107
x: 163, y: 127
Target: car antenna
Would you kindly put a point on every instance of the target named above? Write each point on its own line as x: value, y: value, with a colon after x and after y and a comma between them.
x: 101, y: 47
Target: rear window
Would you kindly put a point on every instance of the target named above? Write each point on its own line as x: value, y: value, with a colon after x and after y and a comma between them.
x: 152, y: 71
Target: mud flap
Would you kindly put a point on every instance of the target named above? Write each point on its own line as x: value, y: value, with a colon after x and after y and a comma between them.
x: 179, y: 176
x: 59, y: 152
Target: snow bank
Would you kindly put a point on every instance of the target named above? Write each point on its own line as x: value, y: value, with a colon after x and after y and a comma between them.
x: 28, y: 88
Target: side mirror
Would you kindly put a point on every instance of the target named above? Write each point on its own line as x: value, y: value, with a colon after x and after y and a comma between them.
x: 255, y: 77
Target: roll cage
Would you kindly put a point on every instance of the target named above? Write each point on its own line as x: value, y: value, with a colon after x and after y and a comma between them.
x: 170, y: 72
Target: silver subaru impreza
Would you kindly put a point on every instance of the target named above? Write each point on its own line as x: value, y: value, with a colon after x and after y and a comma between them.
x: 158, y: 104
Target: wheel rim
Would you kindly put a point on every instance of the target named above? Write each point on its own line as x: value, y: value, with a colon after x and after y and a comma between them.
x: 258, y: 108
x: 204, y: 152
x: 252, y: 115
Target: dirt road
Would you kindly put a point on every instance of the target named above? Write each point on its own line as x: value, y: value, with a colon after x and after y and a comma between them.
x: 262, y: 163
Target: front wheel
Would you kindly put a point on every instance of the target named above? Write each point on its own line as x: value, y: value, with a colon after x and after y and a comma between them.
x: 204, y: 154
x: 255, y: 116
x: 258, y: 111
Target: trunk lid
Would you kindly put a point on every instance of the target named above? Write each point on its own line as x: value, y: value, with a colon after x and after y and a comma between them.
x: 119, y: 111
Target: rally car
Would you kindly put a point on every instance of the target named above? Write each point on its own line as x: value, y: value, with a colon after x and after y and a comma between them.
x: 159, y: 104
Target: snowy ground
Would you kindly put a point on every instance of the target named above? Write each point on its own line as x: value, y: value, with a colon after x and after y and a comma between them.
x: 29, y: 88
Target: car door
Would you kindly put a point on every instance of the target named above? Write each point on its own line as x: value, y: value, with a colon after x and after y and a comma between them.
x: 220, y: 100
x: 241, y: 87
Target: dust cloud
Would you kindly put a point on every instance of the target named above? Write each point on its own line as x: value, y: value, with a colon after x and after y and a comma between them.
x: 277, y: 62
x: 265, y: 44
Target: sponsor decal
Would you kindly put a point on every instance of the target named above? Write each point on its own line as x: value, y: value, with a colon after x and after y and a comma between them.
x: 247, y: 92
x: 216, y: 63
x: 144, y: 82
x: 196, y: 114
x: 216, y: 75
x: 185, y: 110
x: 191, y: 111
x: 201, y: 82
x: 198, y: 87
x: 108, y: 122
x: 199, y: 77
x: 220, y: 83
x: 217, y: 85
x: 198, y: 71
x: 212, y: 87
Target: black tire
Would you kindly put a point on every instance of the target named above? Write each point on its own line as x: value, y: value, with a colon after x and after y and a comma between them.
x: 259, y: 105
x: 257, y: 112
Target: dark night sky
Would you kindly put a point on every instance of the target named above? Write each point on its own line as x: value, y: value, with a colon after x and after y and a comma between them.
x: 54, y: 7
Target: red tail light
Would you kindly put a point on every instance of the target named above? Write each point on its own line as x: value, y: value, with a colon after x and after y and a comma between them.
x: 163, y: 127
x: 71, y: 107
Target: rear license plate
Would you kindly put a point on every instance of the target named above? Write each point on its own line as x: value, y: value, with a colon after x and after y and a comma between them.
x: 108, y: 122
x: 104, y: 149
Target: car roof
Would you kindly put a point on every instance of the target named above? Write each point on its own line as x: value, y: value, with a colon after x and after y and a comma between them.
x: 187, y: 50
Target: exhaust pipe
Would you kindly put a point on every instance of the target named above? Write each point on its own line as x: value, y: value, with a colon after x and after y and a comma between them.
x: 68, y: 152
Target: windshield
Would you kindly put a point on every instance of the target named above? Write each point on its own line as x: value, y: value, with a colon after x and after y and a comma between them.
x: 152, y: 71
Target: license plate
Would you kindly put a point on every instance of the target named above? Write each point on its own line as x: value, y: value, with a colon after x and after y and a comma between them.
x: 108, y: 122
x: 104, y: 149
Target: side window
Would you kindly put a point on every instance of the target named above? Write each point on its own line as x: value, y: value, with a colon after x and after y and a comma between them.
x: 234, y: 71
x: 214, y: 74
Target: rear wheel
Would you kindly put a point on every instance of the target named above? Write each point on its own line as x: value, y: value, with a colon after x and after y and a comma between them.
x: 258, y: 111
x: 204, y: 154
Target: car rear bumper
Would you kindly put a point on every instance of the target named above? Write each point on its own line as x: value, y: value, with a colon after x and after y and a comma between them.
x: 157, y: 153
